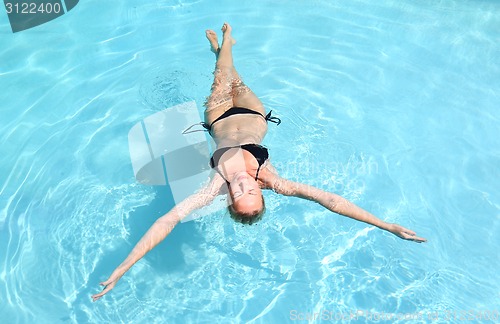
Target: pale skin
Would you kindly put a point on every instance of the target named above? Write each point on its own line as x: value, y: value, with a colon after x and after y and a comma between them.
x: 240, y: 170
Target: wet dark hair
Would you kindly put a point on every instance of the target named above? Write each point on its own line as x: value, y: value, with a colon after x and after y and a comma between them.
x: 247, y: 218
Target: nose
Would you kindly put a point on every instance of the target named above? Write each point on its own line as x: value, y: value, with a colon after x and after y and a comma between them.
x: 243, y: 184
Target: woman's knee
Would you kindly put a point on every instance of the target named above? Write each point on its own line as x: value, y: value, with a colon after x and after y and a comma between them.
x: 223, y: 67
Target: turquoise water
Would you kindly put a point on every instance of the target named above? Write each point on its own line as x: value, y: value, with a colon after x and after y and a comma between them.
x: 390, y: 104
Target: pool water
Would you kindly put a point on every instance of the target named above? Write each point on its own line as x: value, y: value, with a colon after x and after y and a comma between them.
x: 390, y: 104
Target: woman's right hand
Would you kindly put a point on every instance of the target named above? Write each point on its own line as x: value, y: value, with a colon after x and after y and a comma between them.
x: 108, y: 285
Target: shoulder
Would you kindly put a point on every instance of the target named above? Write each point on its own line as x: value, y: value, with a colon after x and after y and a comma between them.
x: 270, y: 179
x: 267, y: 175
x: 214, y: 186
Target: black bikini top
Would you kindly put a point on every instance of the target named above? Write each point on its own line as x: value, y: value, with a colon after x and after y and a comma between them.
x: 258, y: 151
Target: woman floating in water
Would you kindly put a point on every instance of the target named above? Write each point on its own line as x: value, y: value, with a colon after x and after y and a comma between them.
x: 237, y: 121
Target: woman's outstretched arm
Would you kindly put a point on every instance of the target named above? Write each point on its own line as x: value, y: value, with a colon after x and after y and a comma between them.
x: 161, y: 228
x: 337, y: 204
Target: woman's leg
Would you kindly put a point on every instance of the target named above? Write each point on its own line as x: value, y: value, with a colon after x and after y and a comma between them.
x: 225, y: 57
x: 228, y: 89
x: 221, y: 96
x: 241, y: 93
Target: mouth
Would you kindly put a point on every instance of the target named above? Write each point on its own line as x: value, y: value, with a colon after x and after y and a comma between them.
x: 239, y: 176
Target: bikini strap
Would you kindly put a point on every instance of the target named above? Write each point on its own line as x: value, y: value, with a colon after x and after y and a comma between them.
x: 205, y: 125
x: 270, y: 118
x: 257, y: 173
x: 208, y: 127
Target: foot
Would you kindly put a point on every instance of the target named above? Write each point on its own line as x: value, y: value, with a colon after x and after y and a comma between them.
x: 214, y: 43
x: 226, y: 30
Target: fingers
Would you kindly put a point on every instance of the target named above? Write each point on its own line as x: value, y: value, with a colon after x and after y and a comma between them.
x: 419, y: 239
x: 413, y: 237
x: 98, y: 296
x: 102, y: 293
x: 410, y: 235
x: 108, y: 285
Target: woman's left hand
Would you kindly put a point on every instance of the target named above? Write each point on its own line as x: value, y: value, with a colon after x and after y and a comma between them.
x: 405, y: 233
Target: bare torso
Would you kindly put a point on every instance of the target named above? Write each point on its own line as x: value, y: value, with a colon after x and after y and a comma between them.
x: 237, y: 129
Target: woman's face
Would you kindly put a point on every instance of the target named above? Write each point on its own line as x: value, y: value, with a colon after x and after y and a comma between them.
x: 245, y: 194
